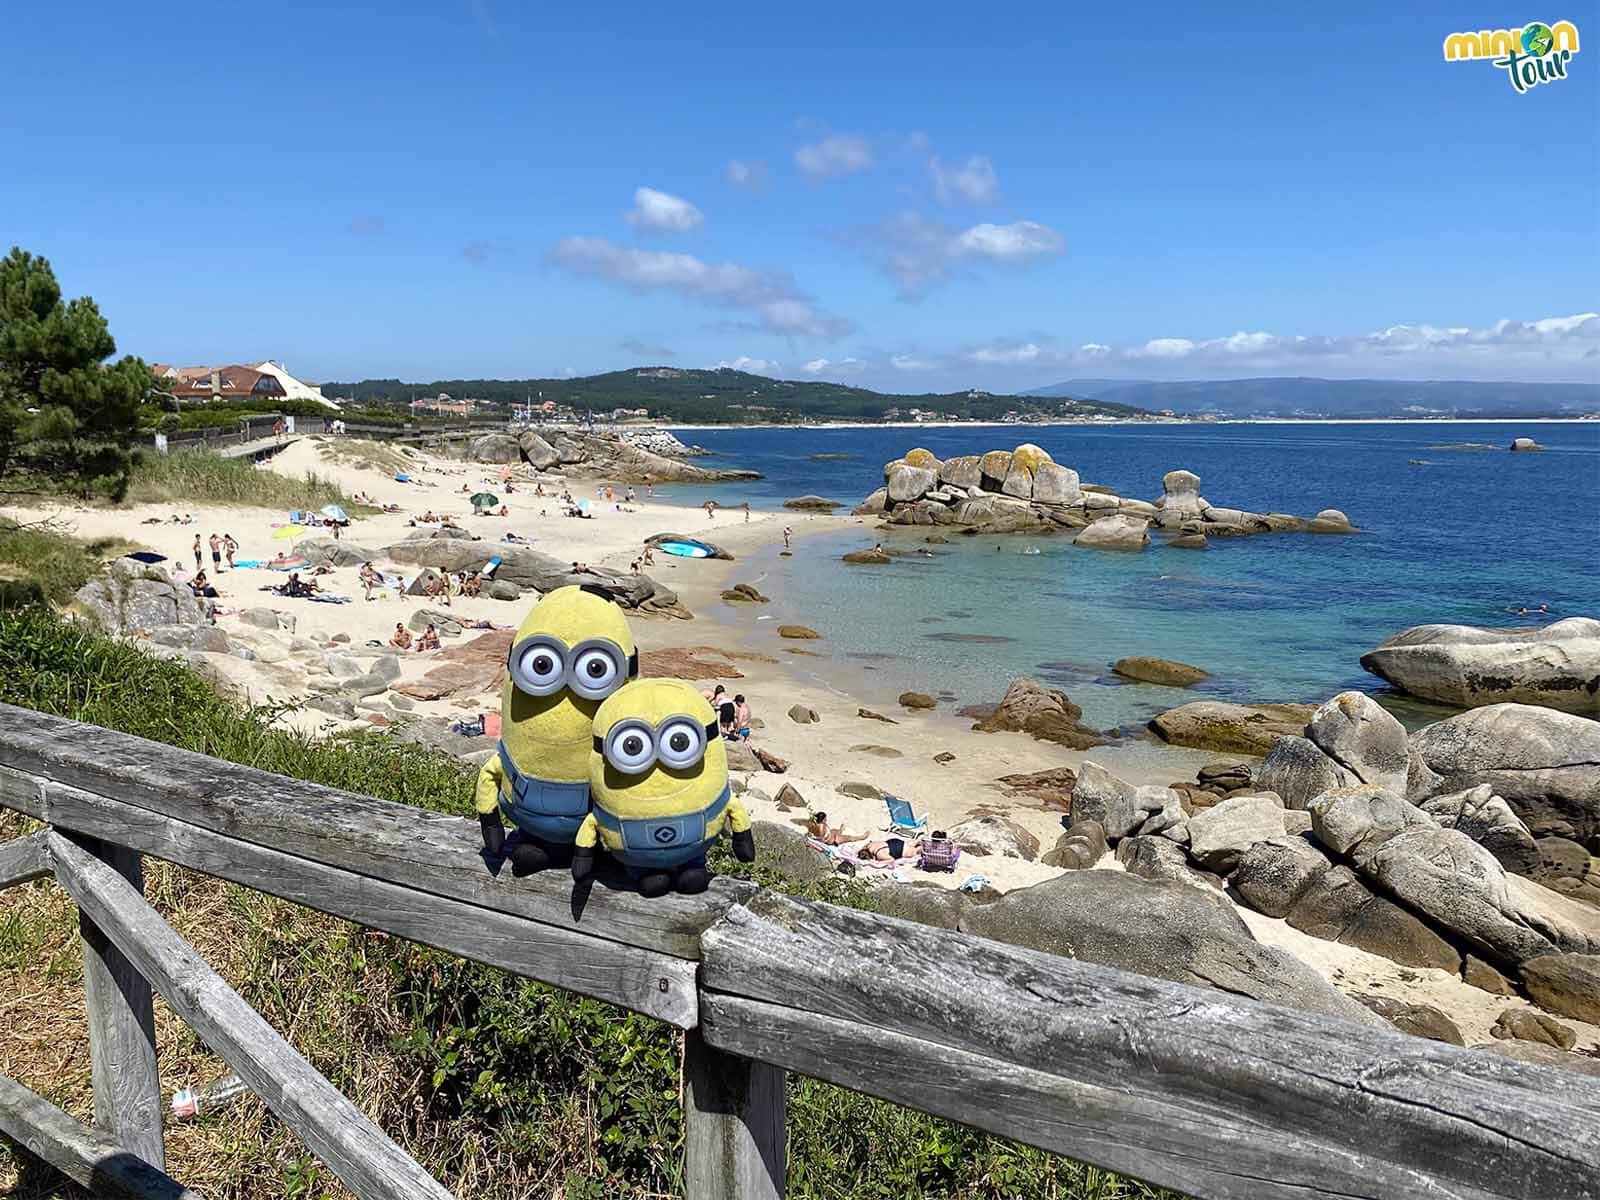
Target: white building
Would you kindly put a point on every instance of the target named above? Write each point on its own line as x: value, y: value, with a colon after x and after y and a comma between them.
x: 293, y: 388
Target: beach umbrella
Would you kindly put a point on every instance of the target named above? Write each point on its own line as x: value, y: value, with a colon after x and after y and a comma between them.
x: 334, y: 513
x: 485, y: 500
x: 289, y: 531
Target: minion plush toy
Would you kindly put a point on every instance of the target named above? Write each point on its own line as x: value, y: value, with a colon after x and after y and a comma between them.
x: 658, y: 779
x: 572, y: 651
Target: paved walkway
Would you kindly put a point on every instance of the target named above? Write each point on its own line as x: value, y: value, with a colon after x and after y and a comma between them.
x: 259, y: 448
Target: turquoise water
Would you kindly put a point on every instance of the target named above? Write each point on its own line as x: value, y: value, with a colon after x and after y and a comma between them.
x: 1463, y: 537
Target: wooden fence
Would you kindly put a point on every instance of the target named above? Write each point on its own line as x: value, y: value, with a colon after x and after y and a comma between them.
x: 1190, y: 1089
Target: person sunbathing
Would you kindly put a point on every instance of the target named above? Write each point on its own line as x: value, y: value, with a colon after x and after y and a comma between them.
x: 401, y: 638
x: 825, y: 833
x: 429, y: 639
x: 202, y: 587
x: 887, y: 850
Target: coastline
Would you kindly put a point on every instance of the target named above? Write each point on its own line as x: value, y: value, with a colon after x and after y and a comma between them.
x: 1092, y: 422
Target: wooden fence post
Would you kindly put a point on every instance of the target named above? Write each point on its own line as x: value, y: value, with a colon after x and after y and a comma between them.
x: 734, y: 1133
x: 122, y: 1031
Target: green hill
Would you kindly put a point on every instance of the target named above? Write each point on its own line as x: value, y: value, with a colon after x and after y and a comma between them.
x: 726, y: 396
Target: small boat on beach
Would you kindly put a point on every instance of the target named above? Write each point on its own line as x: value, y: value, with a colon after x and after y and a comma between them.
x: 686, y: 549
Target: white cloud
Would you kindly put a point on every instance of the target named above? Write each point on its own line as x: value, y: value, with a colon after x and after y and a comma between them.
x: 756, y: 366
x: 1012, y: 355
x: 661, y: 210
x: 770, y: 296
x: 907, y: 362
x: 751, y: 176
x: 1016, y: 242
x: 839, y: 366
x: 837, y: 154
x: 919, y: 253
x: 973, y: 181
x: 1507, y: 345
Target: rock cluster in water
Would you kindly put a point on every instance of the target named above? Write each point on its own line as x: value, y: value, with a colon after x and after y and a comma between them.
x: 1025, y: 490
x: 638, y: 457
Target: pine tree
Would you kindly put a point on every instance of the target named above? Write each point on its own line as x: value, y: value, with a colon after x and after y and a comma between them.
x: 68, y: 419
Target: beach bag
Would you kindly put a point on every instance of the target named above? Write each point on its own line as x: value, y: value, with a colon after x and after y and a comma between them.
x: 939, y: 854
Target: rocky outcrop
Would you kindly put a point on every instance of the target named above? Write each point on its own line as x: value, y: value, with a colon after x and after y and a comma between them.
x: 1165, y: 930
x: 1488, y: 820
x: 1525, y: 443
x: 335, y: 552
x: 1240, y: 728
x: 1079, y: 848
x: 1545, y: 763
x: 532, y: 569
x: 1557, y: 666
x: 1162, y: 861
x: 1526, y: 1025
x: 1330, y: 520
x: 1117, y: 808
x: 1116, y: 532
x: 1164, y: 671
x: 1362, y: 739
x: 1023, y: 489
x: 1299, y: 772
x: 1220, y: 836
x: 812, y: 504
x: 1047, y: 714
x: 995, y: 835
x: 628, y: 456
x: 1419, y: 1020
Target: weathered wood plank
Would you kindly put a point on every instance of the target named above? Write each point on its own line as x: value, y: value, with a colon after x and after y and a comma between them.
x: 334, y: 1129
x: 81, y: 1154
x: 1195, y: 1085
x: 24, y: 859
x: 408, y: 846
x: 122, y: 1027
x: 655, y: 984
x: 735, y: 1140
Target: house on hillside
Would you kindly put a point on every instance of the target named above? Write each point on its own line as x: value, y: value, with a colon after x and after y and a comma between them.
x: 264, y: 381
x: 295, y: 389
x: 445, y: 405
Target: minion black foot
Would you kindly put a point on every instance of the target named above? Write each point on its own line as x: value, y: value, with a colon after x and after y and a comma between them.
x: 693, y: 880
x: 527, y: 857
x: 657, y: 883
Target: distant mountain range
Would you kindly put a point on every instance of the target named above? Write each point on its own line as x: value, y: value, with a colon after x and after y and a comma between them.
x: 1307, y: 397
x: 725, y: 396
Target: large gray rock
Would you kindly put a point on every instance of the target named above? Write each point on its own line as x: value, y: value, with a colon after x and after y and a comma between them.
x: 495, y: 448
x: 1445, y: 875
x: 1081, y: 846
x: 1356, y: 822
x: 1055, y: 484
x: 191, y: 637
x: 1526, y: 1025
x: 133, y: 596
x: 1330, y: 520
x: 1274, y: 874
x: 1165, y: 930
x: 335, y: 552
x: 1299, y: 772
x: 925, y: 903
x: 964, y: 471
x: 1568, y: 984
x: 538, y: 453
x: 1235, y: 728
x: 1117, y: 807
x: 1046, y: 713
x: 1338, y: 907
x: 873, y: 504
x: 261, y: 618
x: 1180, y: 495
x: 908, y: 483
x: 784, y: 849
x: 997, y: 836
x: 532, y: 569
x: 1543, y: 1056
x: 1557, y: 666
x: 1220, y: 835
x: 1362, y: 738
x: 1116, y: 532
x: 1488, y: 820
x: 1419, y: 1020
x: 1164, y: 861
x: 1545, y: 763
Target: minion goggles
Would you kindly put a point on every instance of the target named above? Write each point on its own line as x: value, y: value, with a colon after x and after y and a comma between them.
x: 633, y: 745
x: 541, y: 665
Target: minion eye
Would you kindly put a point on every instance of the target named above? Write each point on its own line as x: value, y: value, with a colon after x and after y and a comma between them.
x: 596, y: 672
x: 631, y: 748
x: 681, y: 742
x: 539, y: 668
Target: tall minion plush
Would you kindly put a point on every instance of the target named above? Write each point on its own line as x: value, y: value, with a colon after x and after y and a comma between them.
x: 658, y: 779
x: 572, y: 651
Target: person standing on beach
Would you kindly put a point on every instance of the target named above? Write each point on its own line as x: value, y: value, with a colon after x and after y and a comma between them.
x: 747, y: 512
x: 197, y: 553
x: 216, y: 554
x: 787, y: 534
x: 231, y: 547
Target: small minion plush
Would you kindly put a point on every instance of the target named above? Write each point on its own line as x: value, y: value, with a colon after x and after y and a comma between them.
x: 658, y: 780
x: 572, y: 651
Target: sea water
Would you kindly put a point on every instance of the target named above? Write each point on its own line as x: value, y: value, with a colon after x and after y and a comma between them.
x: 1446, y: 536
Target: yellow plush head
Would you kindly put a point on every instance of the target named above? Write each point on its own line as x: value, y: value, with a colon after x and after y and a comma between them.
x: 572, y: 650
x: 656, y: 751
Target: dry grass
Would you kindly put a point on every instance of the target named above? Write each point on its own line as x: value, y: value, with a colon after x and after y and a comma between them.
x: 363, y: 454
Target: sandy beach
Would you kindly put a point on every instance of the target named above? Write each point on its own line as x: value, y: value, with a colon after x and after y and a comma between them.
x: 933, y: 758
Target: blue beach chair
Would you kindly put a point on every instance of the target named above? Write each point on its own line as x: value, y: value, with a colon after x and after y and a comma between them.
x: 901, y: 816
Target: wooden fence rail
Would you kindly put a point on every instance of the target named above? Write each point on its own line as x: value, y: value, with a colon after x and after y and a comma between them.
x: 1185, y: 1088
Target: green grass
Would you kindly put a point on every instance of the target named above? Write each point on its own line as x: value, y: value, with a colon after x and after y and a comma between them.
x: 500, y: 1086
x: 195, y: 476
x: 38, y: 563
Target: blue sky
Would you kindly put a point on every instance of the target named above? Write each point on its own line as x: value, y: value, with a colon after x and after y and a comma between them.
x: 911, y: 197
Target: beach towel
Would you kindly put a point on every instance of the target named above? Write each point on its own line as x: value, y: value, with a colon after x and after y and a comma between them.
x: 250, y: 562
x: 325, y: 599
x: 847, y: 852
